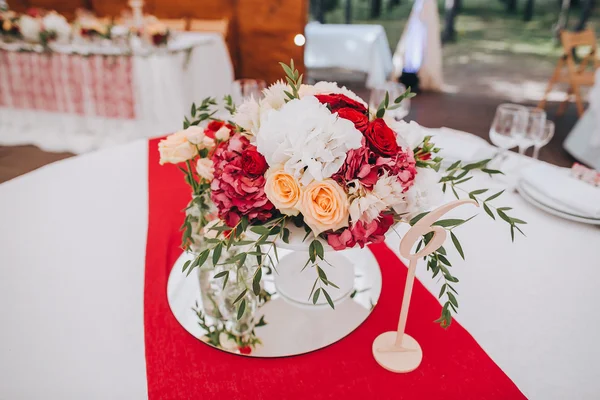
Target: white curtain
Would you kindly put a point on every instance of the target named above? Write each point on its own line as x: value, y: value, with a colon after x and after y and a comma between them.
x: 420, y: 49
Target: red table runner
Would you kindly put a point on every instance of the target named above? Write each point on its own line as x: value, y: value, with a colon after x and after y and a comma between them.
x: 95, y: 85
x: 181, y: 367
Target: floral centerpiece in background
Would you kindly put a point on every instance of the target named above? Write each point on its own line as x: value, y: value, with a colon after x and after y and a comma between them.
x: 315, y: 157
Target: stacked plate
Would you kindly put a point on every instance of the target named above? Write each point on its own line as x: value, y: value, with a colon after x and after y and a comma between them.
x: 553, y: 190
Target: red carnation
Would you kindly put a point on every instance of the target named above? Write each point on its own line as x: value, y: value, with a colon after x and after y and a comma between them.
x: 253, y: 162
x: 382, y: 139
x: 235, y: 191
x: 337, y: 101
x: 359, y: 119
x: 361, y: 233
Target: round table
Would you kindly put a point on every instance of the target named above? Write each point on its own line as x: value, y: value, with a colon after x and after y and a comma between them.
x: 72, y: 286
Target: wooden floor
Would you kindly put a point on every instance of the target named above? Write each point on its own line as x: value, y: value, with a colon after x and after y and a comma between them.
x: 459, y: 111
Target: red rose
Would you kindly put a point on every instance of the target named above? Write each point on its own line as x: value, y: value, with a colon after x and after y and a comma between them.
x: 337, y: 101
x: 359, y: 119
x: 245, y: 350
x: 381, y: 138
x: 253, y: 162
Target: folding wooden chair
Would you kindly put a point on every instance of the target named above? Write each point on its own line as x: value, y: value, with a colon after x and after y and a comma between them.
x: 576, y: 75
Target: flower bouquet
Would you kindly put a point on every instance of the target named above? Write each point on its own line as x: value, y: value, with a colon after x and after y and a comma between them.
x: 311, y: 164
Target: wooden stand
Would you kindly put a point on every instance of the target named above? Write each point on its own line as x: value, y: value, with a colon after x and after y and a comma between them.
x: 395, y: 350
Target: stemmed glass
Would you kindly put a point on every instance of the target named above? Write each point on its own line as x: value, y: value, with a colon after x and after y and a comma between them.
x: 544, y: 139
x: 394, y: 89
x: 509, y: 118
x: 532, y: 130
x: 245, y: 88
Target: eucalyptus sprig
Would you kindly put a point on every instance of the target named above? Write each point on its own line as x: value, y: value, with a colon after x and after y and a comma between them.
x: 229, y: 104
x: 201, y: 113
x: 424, y: 149
x: 293, y: 78
x: 385, y: 103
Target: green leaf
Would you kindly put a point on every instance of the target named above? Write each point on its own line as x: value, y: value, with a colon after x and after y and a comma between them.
x: 488, y: 211
x: 512, y: 233
x: 418, y: 218
x: 328, y: 282
x: 463, y: 180
x: 328, y: 299
x: 502, y: 215
x: 442, y: 250
x: 261, y: 230
x: 321, y: 274
x: 287, y: 70
x: 186, y: 265
x: 221, y: 274
x: 193, y: 109
x: 256, y: 281
x: 492, y: 171
x: 479, y: 191
x: 452, y: 299
x: 457, y: 244
x: 217, y: 253
x: 386, y: 101
x: 442, y: 290
x: 316, y: 296
x: 241, y: 296
x: 444, y: 223
x: 319, y: 249
x: 477, y: 165
x: 454, y: 165
x: 519, y: 221
x: 444, y: 260
x: 313, y: 287
x: 286, y: 235
x: 455, y: 194
x: 380, y: 113
x: 494, y: 196
x: 241, y: 310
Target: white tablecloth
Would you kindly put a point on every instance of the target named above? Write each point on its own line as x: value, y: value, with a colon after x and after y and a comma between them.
x: 584, y: 140
x: 72, y: 275
x: 363, y: 48
x: 162, y: 86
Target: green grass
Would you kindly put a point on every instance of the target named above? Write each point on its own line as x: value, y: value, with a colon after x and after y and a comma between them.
x: 482, y: 25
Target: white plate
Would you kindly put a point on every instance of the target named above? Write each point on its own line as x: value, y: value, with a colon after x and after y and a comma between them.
x: 525, y: 192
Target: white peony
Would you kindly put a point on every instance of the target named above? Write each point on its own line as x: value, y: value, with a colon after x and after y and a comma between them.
x: 425, y: 194
x: 30, y: 28
x: 328, y: 88
x: 247, y: 116
x: 54, y: 22
x: 409, y: 134
x: 306, y: 139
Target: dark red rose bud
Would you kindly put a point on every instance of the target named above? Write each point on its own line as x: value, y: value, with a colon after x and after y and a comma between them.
x: 381, y: 139
x: 253, y: 162
x: 359, y: 119
x: 337, y: 101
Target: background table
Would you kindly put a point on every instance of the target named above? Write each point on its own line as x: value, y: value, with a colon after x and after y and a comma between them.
x: 84, y: 97
x: 363, y: 48
x: 72, y: 277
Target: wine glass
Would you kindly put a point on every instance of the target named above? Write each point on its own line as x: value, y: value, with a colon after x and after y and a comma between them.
x: 243, y: 89
x: 544, y: 139
x: 394, y: 89
x: 509, y: 118
x: 531, y: 130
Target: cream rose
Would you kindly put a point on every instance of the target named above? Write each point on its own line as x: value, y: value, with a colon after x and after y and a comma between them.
x: 195, y: 135
x: 176, y: 148
x: 205, y: 168
x: 324, y: 206
x: 223, y: 133
x: 283, y: 190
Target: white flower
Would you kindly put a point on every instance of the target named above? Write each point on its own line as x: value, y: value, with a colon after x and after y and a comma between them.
x: 226, y: 342
x: 54, y: 22
x: 195, y: 135
x: 205, y: 168
x: 248, y: 116
x: 223, y: 133
x: 425, y: 194
x: 387, y: 193
x: 307, y: 139
x: 30, y: 28
x: 328, y: 88
x: 275, y: 96
x: 408, y: 134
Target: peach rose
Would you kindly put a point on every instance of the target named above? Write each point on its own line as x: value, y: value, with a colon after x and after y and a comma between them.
x: 283, y: 191
x: 176, y: 148
x: 324, y: 206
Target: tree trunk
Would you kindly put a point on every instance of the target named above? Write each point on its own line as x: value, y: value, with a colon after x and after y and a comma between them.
x: 528, y: 15
x: 450, y: 11
x: 511, y: 6
x: 563, y: 17
x: 348, y: 12
x: 586, y: 12
x: 375, y: 8
x: 393, y: 3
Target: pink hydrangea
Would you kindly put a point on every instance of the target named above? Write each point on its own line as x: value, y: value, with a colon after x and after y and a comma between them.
x: 238, y: 191
x: 361, y: 233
